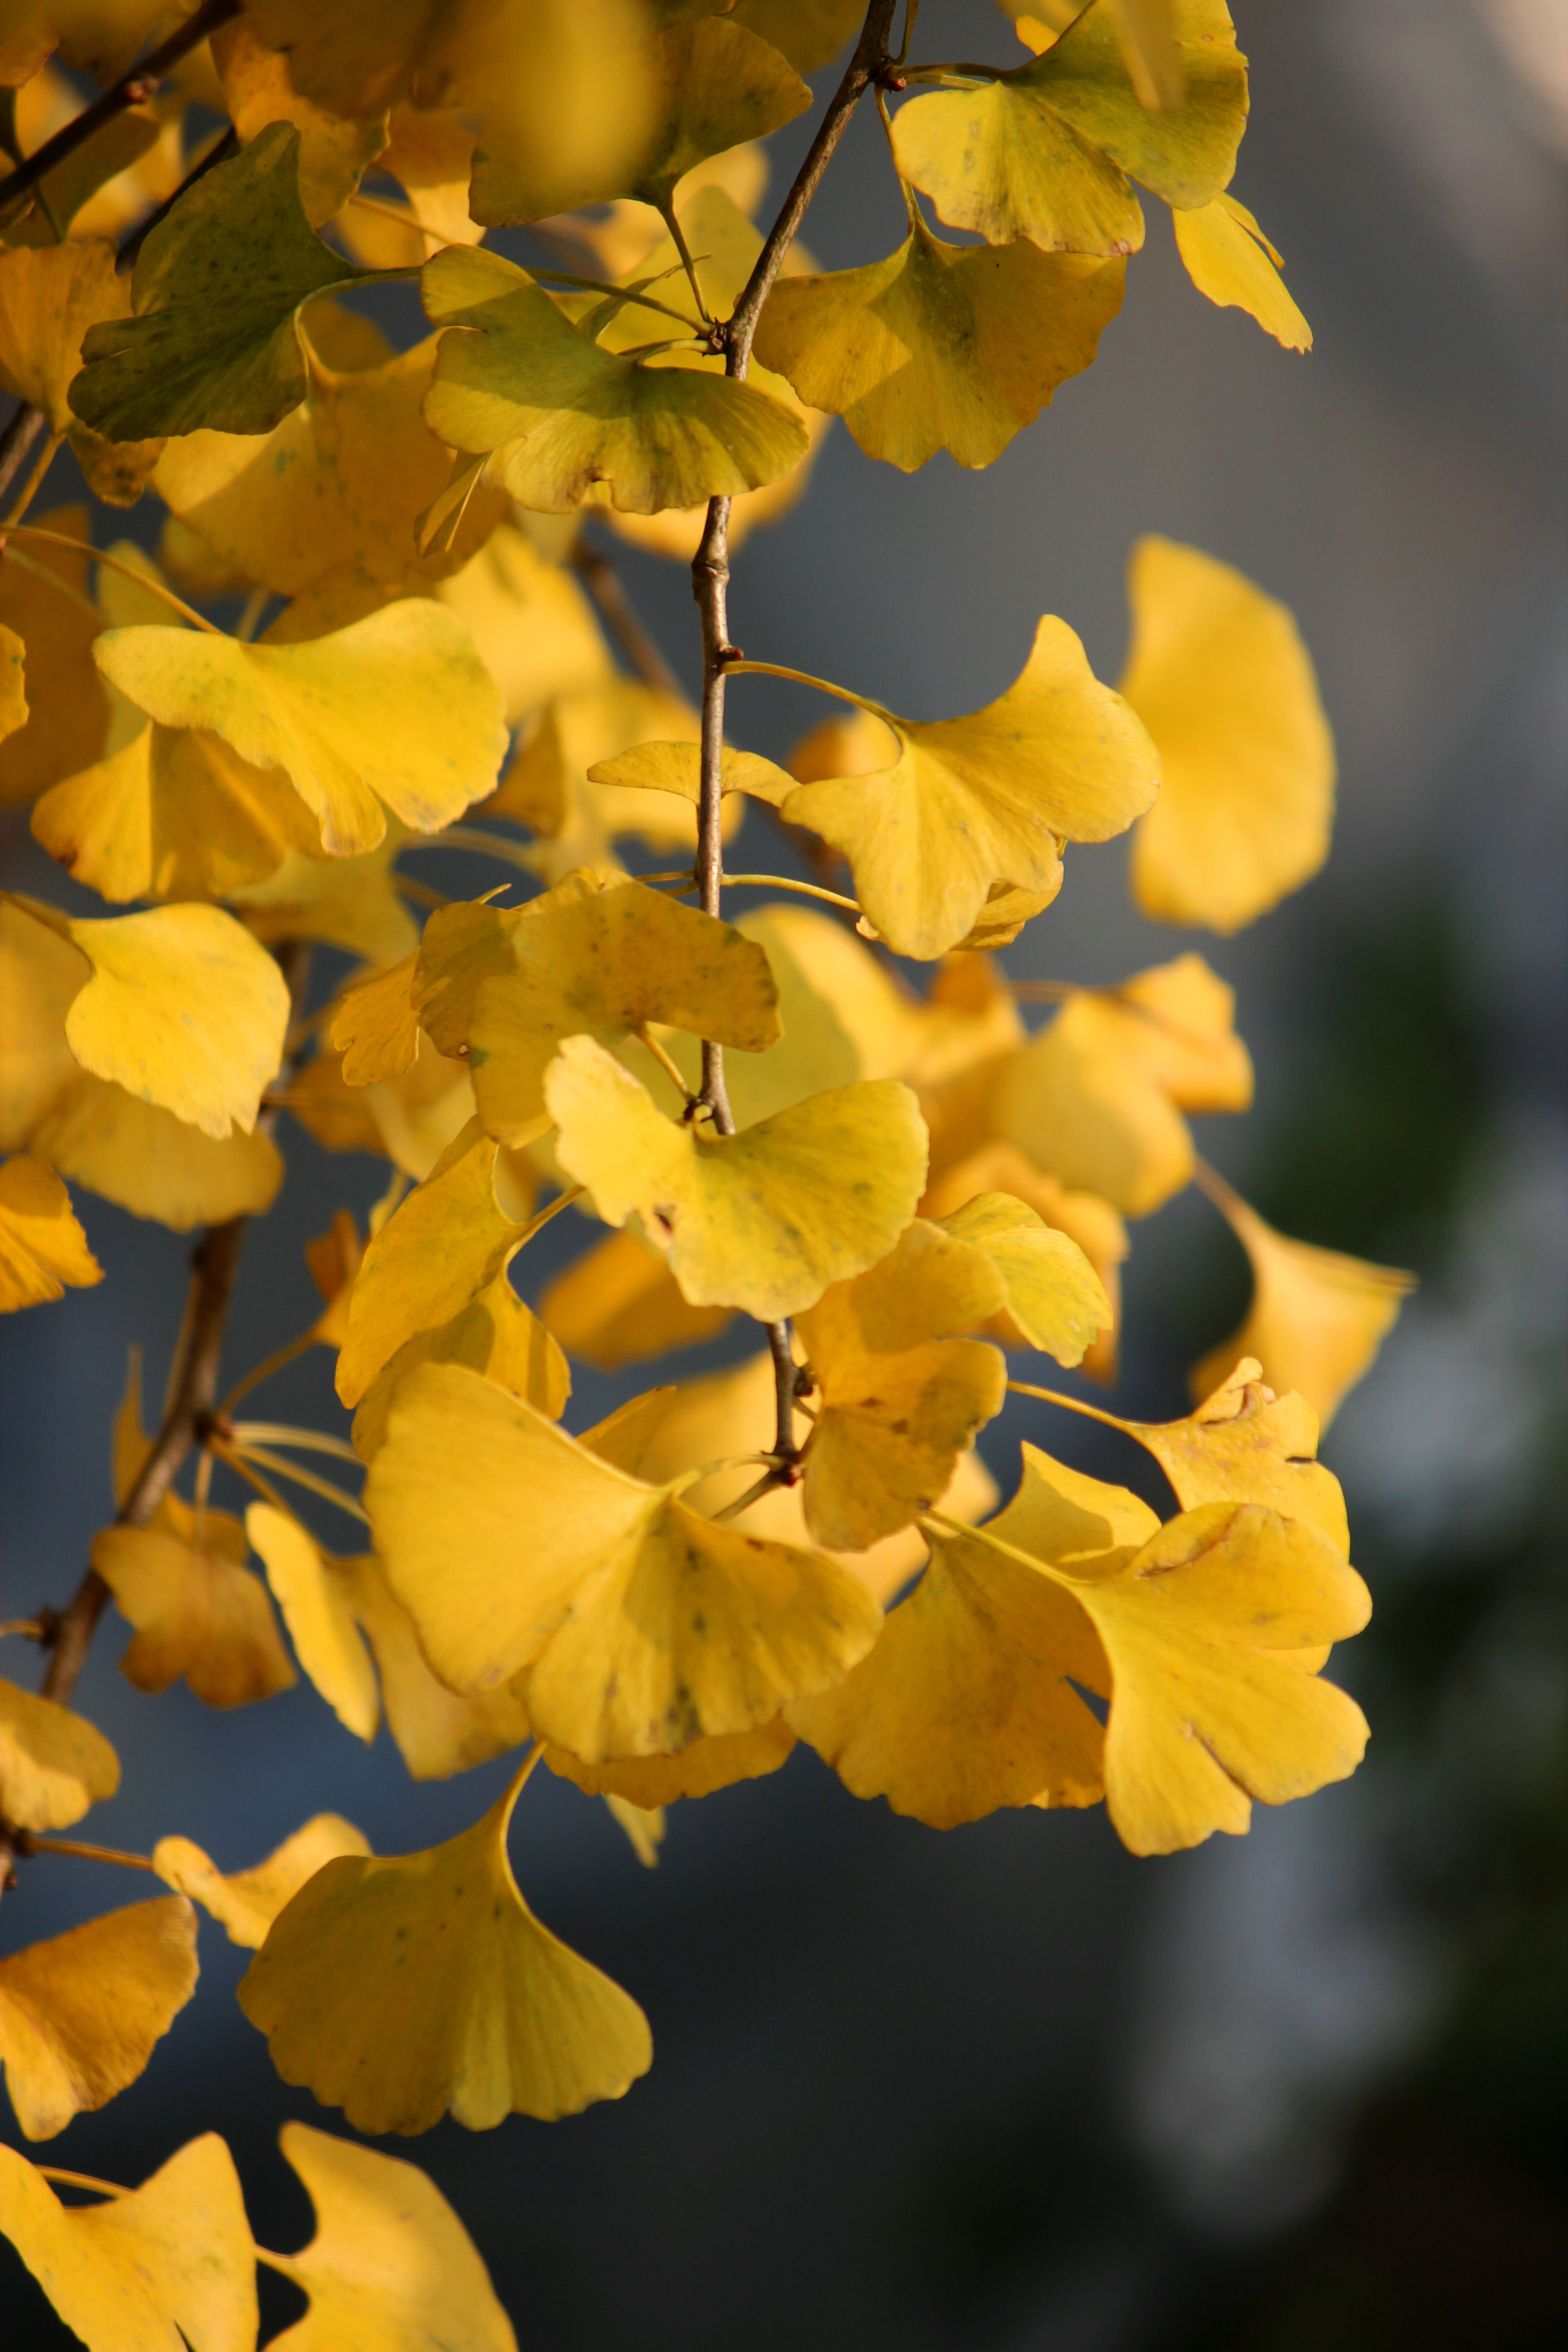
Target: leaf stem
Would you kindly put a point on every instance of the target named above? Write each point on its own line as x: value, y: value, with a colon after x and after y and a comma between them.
x: 26, y: 1844
x: 239, y: 1457
x: 34, y: 482
x: 1071, y: 1404
x: 671, y: 1069
x: 80, y: 2181
x: 264, y: 1370
x: 602, y: 582
x: 741, y: 668
x: 783, y: 882
x: 33, y: 531
x: 678, y: 238
x: 30, y: 1628
x: 282, y: 1433
x: 471, y: 836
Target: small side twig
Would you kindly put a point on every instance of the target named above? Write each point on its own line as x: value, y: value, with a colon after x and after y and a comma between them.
x: 603, y: 582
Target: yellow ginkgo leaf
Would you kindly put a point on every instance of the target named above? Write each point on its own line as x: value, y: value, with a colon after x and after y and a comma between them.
x: 53, y: 1764
x: 170, y: 2263
x: 641, y: 1625
x: 80, y: 2013
x: 44, y: 601
x: 1097, y: 1228
x: 940, y: 346
x: 376, y: 1027
x: 197, y: 1609
x: 678, y: 768
x: 1317, y: 1318
x: 605, y: 961
x: 494, y: 1334
x: 1218, y: 673
x: 546, y: 785
x: 391, y: 2268
x: 900, y: 1398
x: 438, y: 1731
x: 346, y: 902
x: 247, y: 1902
x: 42, y: 1244
x: 174, y: 813
x: 619, y: 1304
x: 1146, y: 32
x: 317, y: 1608
x: 643, y: 1826
x: 987, y: 798
x: 14, y: 712
x: 1047, y: 150
x: 1229, y: 259
x: 1054, y: 1294
x: 654, y: 1781
x: 765, y: 1220
x: 50, y: 297
x: 402, y: 1989
x: 335, y: 150
x: 555, y: 414
x: 396, y: 709
x: 708, y: 86
x: 1097, y: 1099
x: 531, y: 620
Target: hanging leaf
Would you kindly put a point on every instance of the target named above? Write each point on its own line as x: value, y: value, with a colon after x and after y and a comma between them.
x: 317, y: 1608
x: 42, y: 1247
x: 654, y: 1781
x: 49, y: 298
x: 438, y: 1731
x: 1229, y: 259
x: 247, y: 1902
x: 80, y: 2014
x: 1053, y: 1293
x: 620, y: 1303
x: 54, y: 1765
x: 335, y: 150
x: 52, y: 614
x: 197, y: 1609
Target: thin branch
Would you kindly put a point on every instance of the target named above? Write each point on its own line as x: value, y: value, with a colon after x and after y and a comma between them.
x: 34, y: 482
x: 22, y: 430
x: 26, y: 1844
x: 602, y: 582
x: 787, y: 1373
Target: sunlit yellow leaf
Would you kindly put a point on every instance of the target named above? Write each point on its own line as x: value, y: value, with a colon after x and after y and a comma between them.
x: 438, y: 1731
x: 68, y: 709
x: 42, y: 1244
x: 376, y: 1027
x: 1097, y: 1099
x: 1229, y: 259
x: 940, y: 346
x: 345, y: 902
x: 391, y: 2268
x: 620, y: 1303
x: 49, y: 299
x: 987, y: 798
x: 678, y: 768
x: 1146, y: 32
x: 397, y: 709
x: 247, y: 1902
x: 515, y: 377
x: 80, y: 2013
x: 546, y: 786
x: 1317, y: 1318
x: 641, y: 1625
x: 1054, y: 1294
x: 401, y: 1989
x: 1047, y: 150
x: 1091, y: 1223
x: 334, y: 149
x: 899, y: 1398
x: 531, y: 620
x: 169, y: 2263
x: 765, y: 1220
x: 197, y: 1609
x: 53, y: 1764
x: 317, y: 1608
x: 1219, y: 676
x: 654, y: 1781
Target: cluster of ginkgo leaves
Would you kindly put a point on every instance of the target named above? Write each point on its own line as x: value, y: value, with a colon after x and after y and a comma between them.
x: 775, y: 1114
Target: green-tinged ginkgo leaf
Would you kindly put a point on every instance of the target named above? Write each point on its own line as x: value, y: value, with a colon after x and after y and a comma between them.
x: 898, y: 1397
x: 516, y: 378
x: 317, y: 1606
x: 940, y: 346
x: 173, y: 814
x: 438, y: 1731
x: 765, y: 1220
x: 246, y: 1902
x: 397, y: 709
x: 678, y: 768
x: 641, y: 1625
x: 1097, y: 1099
x: 218, y: 287
x: 167, y: 2264
x: 403, y: 1990
x: 53, y: 1764
x: 1054, y: 1294
x: 335, y: 150
x: 80, y: 2013
x: 1218, y: 673
x: 391, y: 2268
x: 710, y: 84
x: 1229, y: 259
x: 1317, y: 1317
x: 44, y: 601
x: 987, y: 798
x: 196, y: 1607
x: 42, y: 1244
x: 654, y: 1781
x: 1047, y: 150
x: 620, y: 1303
x: 605, y: 961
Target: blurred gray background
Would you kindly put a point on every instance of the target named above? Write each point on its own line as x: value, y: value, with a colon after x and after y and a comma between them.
x: 1009, y: 2090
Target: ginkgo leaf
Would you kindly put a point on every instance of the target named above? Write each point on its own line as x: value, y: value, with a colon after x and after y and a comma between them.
x: 1218, y: 673
x: 1097, y: 1228
x: 53, y: 1764
x: 900, y: 1397
x: 216, y: 294
x: 765, y: 1220
x: 170, y: 2263
x: 14, y: 713
x: 495, y: 1334
x: 335, y: 150
x: 391, y: 2268
x: 1097, y: 1097
x: 678, y: 768
x: 345, y: 902
x: 531, y: 620
x: 42, y: 1247
x: 1229, y: 259
x: 641, y: 1625
x: 516, y: 378
x: 97, y: 36
x: 987, y: 798
x: 317, y: 1608
x: 402, y: 1989
x: 1054, y: 1294
x: 80, y: 2013
x: 1046, y: 152
x: 174, y: 813
x: 1317, y: 1317
x: 376, y: 1027
x: 810, y: 32
x: 197, y: 1609
x: 397, y: 709
x: 546, y: 786
x: 438, y: 1731
x: 605, y: 961
x: 653, y: 1781
x: 710, y: 84
x: 246, y: 1902
x: 68, y: 709
x: 1146, y: 32
x: 49, y: 299
x: 620, y: 1303
x: 940, y: 346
